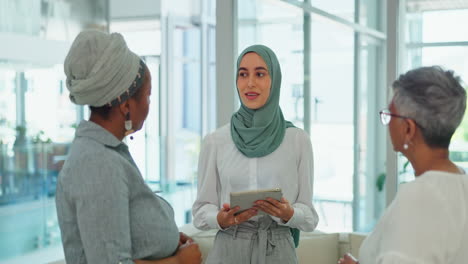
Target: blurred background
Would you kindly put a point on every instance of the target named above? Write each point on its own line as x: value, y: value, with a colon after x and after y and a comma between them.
x: 338, y: 59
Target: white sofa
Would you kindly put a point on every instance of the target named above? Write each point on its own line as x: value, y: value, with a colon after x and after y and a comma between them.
x: 315, y: 247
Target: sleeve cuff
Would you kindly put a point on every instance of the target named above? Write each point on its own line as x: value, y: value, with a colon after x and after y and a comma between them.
x: 296, y: 219
x: 212, y: 220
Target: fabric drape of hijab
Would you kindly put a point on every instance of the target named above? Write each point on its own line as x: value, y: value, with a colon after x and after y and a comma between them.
x: 257, y: 133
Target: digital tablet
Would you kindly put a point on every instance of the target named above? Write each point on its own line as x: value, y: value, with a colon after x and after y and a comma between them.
x: 246, y: 199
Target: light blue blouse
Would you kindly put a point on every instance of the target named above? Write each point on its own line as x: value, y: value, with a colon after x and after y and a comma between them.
x: 106, y: 212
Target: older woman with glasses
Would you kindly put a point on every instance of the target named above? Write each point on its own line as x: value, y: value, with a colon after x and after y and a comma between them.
x: 427, y: 221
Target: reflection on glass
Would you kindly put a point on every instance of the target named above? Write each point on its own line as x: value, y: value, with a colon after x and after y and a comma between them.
x: 32, y: 159
x: 187, y: 96
x: 332, y: 129
x: 185, y: 112
x: 54, y: 20
x: 437, y: 25
x: 152, y: 170
x: 369, y: 13
x: 7, y: 108
x: 371, y: 138
x: 144, y: 38
x: 145, y: 146
x: 44, y: 122
x: 341, y: 8
x: 211, y: 6
x: 211, y: 78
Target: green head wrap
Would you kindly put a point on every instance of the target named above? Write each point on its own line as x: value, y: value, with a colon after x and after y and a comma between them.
x: 101, y: 70
x: 257, y: 133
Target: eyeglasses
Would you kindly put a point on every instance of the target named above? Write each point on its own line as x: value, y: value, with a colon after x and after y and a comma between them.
x: 386, y: 116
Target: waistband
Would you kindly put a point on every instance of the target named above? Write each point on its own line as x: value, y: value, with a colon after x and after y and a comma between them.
x: 259, y: 233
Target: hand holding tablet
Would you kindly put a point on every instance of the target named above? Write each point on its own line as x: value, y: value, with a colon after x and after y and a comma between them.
x: 268, y: 201
x: 246, y: 200
x: 244, y: 205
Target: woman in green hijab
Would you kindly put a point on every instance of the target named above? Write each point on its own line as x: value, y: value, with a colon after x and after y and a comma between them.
x: 259, y: 149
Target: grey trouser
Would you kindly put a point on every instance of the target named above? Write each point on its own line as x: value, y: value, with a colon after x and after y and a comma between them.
x: 262, y: 242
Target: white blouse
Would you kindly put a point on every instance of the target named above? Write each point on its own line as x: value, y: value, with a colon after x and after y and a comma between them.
x: 222, y: 169
x: 427, y: 222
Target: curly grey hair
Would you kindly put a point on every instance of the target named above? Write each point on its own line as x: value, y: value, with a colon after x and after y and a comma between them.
x: 434, y: 99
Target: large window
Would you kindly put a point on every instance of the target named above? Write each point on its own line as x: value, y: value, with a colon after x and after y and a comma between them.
x: 370, y: 148
x: 42, y: 119
x: 186, y: 102
x: 7, y: 108
x: 146, y: 144
x: 341, y: 8
x: 184, y: 108
x: 332, y: 127
x: 34, y: 142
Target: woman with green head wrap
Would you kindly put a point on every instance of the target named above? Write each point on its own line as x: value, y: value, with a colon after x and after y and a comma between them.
x: 259, y: 149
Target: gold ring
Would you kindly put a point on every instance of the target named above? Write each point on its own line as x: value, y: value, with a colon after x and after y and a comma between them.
x: 235, y: 220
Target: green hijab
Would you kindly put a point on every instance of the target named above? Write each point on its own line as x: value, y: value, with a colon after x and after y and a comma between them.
x: 257, y: 133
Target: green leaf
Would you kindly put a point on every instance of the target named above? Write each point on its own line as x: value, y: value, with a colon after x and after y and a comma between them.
x: 380, y: 182
x: 405, y: 165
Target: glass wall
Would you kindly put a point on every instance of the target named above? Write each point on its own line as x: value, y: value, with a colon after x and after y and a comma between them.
x: 37, y: 120
x: 187, y: 102
x: 7, y: 107
x: 185, y: 111
x: 146, y: 144
x: 345, y: 91
x: 52, y: 20
x: 332, y: 121
x: 341, y: 8
x: 370, y: 137
x: 189, y: 96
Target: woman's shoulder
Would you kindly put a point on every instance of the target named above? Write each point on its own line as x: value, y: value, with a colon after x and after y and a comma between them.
x: 88, y: 149
x: 447, y: 185
x: 434, y: 187
x: 419, y: 206
x: 297, y: 134
x: 220, y: 135
x: 438, y: 181
x: 296, y: 131
x: 417, y: 188
x: 87, y: 158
